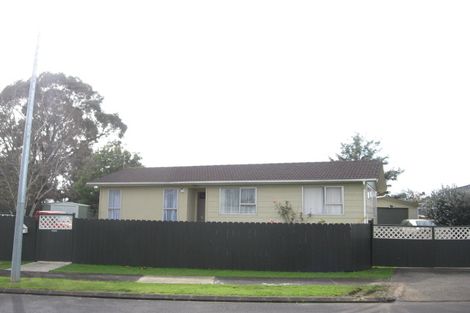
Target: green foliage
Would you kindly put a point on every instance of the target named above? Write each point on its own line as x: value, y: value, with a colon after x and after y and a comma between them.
x: 409, y: 195
x: 288, y: 215
x: 362, y: 149
x: 448, y: 206
x: 109, y: 159
x: 67, y: 122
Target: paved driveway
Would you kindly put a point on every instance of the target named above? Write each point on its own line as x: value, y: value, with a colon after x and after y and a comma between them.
x: 432, y: 284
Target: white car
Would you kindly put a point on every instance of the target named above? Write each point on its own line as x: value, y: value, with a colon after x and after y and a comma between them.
x: 419, y: 222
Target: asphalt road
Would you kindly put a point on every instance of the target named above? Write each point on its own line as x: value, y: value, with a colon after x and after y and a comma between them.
x: 49, y: 304
x: 433, y: 284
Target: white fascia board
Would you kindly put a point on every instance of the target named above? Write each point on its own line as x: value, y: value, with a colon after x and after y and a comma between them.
x: 231, y: 182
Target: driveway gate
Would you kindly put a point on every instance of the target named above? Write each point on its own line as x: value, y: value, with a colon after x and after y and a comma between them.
x: 421, y: 246
x: 55, y: 237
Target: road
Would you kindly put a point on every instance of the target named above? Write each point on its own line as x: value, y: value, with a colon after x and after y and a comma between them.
x: 50, y: 304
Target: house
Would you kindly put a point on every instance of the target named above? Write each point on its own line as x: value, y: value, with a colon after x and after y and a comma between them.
x: 333, y: 192
x: 391, y: 211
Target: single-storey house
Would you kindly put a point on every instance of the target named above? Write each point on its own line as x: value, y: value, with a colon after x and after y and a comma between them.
x: 332, y: 192
x: 391, y: 211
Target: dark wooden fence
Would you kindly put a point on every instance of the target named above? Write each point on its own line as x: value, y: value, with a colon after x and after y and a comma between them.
x: 7, y: 227
x: 421, y: 247
x: 249, y: 246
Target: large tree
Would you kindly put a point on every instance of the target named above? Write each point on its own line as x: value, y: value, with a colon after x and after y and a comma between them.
x: 110, y: 158
x: 361, y: 148
x: 448, y: 206
x: 67, y: 122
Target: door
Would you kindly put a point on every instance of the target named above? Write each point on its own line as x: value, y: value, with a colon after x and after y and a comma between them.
x: 391, y: 216
x: 201, y: 207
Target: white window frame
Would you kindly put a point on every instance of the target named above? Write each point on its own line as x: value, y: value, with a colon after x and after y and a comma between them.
x: 324, y: 212
x: 176, y: 204
x: 239, y: 201
x: 372, y: 194
x: 115, y: 209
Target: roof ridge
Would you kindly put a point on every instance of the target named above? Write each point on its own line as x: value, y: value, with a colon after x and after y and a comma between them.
x: 258, y: 164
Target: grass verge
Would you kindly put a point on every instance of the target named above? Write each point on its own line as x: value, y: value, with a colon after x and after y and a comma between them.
x: 382, y: 273
x: 208, y: 290
x: 7, y: 264
x: 4, y: 265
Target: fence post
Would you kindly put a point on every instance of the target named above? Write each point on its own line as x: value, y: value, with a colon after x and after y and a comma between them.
x: 371, y: 244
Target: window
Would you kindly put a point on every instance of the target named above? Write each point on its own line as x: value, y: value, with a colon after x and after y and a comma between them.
x: 238, y: 200
x: 170, y: 204
x: 371, y: 202
x: 114, y: 204
x: 323, y: 200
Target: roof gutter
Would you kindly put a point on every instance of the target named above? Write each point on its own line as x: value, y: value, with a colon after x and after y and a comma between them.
x: 231, y: 182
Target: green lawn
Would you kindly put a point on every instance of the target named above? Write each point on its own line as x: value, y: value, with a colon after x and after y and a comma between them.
x: 374, y: 273
x: 212, y: 290
x: 4, y: 265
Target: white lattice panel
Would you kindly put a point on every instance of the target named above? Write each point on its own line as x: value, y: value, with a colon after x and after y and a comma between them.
x: 452, y: 233
x: 400, y: 232
x: 55, y: 222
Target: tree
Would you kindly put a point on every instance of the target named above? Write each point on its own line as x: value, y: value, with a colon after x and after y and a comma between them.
x: 362, y: 149
x: 448, y: 206
x: 67, y: 122
x: 409, y: 195
x: 109, y: 159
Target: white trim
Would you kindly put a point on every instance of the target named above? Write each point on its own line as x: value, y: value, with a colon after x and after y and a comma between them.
x: 163, y: 204
x: 342, y: 199
x: 364, y: 199
x: 234, y: 182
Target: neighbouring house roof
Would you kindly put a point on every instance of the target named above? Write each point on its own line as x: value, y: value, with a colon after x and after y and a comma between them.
x: 389, y: 202
x: 249, y: 173
x: 464, y: 188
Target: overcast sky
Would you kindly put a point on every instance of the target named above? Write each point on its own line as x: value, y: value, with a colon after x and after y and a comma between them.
x: 225, y: 82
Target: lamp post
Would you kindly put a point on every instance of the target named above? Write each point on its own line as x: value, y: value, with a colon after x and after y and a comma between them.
x: 21, y: 200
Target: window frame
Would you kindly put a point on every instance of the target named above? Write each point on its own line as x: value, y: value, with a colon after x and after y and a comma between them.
x: 114, y: 209
x: 168, y: 209
x: 221, y: 211
x: 324, y: 212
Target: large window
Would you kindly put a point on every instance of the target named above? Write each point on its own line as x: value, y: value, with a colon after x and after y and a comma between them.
x: 114, y: 204
x: 238, y: 200
x: 323, y: 200
x: 170, y: 205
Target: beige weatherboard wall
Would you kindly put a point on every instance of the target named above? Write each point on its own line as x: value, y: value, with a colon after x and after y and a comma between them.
x: 146, y: 202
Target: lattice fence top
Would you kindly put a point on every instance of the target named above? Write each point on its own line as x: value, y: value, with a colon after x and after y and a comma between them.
x: 400, y: 232
x: 452, y: 233
x: 55, y: 222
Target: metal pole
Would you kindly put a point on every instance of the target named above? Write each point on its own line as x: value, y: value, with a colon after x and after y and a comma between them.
x: 21, y: 200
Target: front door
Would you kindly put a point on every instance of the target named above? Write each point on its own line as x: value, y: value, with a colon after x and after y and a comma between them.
x: 201, y: 207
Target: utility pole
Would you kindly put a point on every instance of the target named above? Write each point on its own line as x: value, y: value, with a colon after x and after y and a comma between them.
x: 21, y: 200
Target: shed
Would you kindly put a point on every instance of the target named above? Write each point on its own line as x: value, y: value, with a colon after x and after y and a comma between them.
x: 80, y: 210
x: 391, y: 211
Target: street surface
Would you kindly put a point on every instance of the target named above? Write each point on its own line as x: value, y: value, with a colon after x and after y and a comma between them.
x: 48, y: 304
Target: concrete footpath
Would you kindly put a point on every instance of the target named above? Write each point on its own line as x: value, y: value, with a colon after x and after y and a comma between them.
x: 42, y: 270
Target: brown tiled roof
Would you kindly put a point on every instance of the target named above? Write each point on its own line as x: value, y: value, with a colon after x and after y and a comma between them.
x: 309, y: 171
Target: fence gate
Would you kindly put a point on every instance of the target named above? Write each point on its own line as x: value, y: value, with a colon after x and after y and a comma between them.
x: 55, y: 238
x: 421, y: 246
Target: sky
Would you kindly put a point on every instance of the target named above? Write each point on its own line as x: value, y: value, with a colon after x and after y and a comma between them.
x: 234, y: 82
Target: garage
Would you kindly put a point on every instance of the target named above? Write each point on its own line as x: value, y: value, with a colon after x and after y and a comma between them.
x: 391, y: 211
